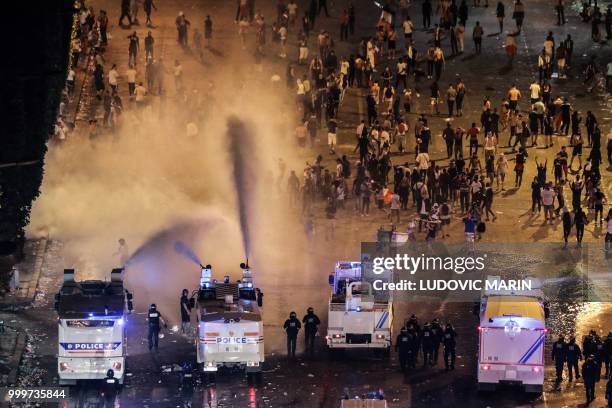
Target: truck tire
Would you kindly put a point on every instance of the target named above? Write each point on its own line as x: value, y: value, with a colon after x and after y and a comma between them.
x: 254, y: 379
x: 534, y: 389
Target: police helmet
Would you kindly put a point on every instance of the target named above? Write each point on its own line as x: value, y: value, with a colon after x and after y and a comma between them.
x: 310, y: 310
x: 110, y: 373
x: 403, y: 329
x: 153, y: 306
x: 292, y: 314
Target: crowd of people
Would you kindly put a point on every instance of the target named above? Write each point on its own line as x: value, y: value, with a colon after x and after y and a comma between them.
x: 391, y: 167
x: 394, y: 154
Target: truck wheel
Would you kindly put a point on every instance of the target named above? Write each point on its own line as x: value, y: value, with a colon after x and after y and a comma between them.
x: 254, y: 379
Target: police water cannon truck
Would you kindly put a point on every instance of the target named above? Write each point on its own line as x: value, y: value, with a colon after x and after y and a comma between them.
x: 92, y: 317
x: 358, y: 316
x: 512, y: 333
x: 230, y: 328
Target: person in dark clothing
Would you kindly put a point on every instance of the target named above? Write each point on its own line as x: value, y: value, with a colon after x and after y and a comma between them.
x: 573, y: 355
x: 566, y: 218
x: 403, y: 346
x: 463, y: 13
x: 133, y: 48
x: 600, y: 355
x: 292, y: 326
x: 323, y: 5
x: 372, y: 111
x: 311, y: 323
x: 448, y: 339
x: 149, y: 43
x: 536, y: 195
x: 125, y: 12
x: 185, y: 312
x: 363, y: 144
x: 148, y: 7
x: 427, y: 343
x: 580, y: 220
x: 590, y: 377
x: 448, y: 134
x: 427, y: 11
x: 351, y: 21
x: 154, y: 318
x: 609, y: 392
x: 110, y: 388
x: 608, y: 354
x: 437, y: 330
x: 559, y: 356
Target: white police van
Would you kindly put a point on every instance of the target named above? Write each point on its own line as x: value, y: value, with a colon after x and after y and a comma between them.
x: 512, y: 333
x: 358, y: 316
x: 230, y: 328
x: 92, y: 317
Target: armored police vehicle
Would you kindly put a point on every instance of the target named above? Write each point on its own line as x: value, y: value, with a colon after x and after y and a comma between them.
x: 92, y: 327
x: 230, y: 328
x: 512, y: 334
x: 358, y: 316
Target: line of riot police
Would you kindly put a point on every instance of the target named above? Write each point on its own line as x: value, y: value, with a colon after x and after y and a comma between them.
x: 414, y: 341
x: 596, y: 352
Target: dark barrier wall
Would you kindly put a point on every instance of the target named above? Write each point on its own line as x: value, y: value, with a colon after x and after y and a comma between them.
x: 34, y: 54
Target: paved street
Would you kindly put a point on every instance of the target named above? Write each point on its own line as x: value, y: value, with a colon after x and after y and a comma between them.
x: 156, y: 186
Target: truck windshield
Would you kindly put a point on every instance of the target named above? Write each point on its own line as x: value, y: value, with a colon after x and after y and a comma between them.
x: 90, y: 323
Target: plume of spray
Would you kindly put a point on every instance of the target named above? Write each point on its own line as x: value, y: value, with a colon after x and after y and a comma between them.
x: 241, y: 151
x: 181, y: 248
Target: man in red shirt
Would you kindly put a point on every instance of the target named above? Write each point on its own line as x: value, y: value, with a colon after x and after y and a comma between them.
x: 472, y: 133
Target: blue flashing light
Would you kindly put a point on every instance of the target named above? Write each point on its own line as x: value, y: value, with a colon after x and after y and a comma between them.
x: 249, y: 285
x: 358, y: 308
x: 120, y: 321
x: 91, y: 314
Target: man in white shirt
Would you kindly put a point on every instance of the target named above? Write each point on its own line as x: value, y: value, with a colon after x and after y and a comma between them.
x: 140, y: 93
x: 113, y: 75
x: 402, y: 72
x: 548, y: 200
x: 70, y: 81
x: 534, y: 90
x: 131, y: 79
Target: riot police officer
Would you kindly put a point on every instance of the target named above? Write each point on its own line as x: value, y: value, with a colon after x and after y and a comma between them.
x: 110, y: 388
x: 600, y: 354
x: 436, y: 328
x: 311, y: 322
x: 403, y: 346
x: 292, y: 326
x: 573, y: 354
x: 608, y: 353
x: 154, y: 318
x: 588, y: 343
x: 414, y: 323
x: 448, y: 339
x: 590, y: 377
x: 559, y: 356
x: 415, y: 344
x: 427, y: 343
